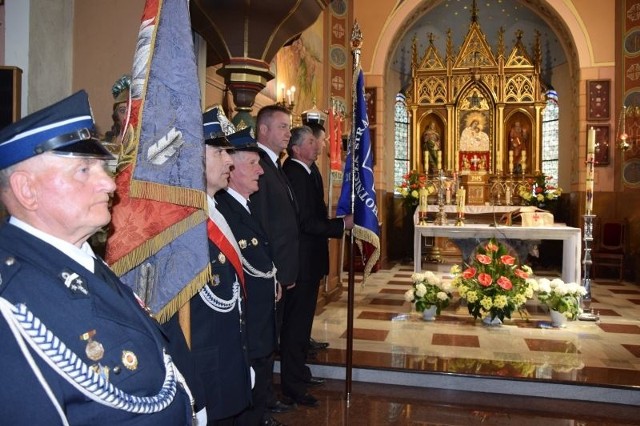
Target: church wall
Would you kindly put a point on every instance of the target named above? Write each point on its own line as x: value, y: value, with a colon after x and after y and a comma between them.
x: 104, y: 40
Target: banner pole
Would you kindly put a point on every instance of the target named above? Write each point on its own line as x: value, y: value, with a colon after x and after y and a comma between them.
x: 356, y: 44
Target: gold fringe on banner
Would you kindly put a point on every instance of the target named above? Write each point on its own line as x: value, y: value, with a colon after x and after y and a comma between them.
x: 194, y: 286
x: 361, y: 233
x: 167, y: 193
x: 151, y: 246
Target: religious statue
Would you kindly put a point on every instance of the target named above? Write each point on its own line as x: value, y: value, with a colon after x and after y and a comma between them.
x: 431, y: 145
x: 473, y: 138
x: 518, y: 137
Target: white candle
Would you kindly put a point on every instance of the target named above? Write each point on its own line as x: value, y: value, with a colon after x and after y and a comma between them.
x: 426, y: 162
x: 422, y: 208
x: 439, y: 160
x: 591, y: 148
x: 510, y: 161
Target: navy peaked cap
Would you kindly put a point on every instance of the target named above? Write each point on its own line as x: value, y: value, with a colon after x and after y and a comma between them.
x: 63, y: 128
x: 216, y: 128
x: 243, y: 140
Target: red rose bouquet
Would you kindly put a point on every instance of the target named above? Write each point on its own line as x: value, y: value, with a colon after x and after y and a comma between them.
x: 494, y: 284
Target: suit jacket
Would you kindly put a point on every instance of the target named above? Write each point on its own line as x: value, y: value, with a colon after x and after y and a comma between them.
x: 219, y: 343
x: 255, y: 248
x: 276, y: 210
x: 315, y: 226
x: 36, y: 274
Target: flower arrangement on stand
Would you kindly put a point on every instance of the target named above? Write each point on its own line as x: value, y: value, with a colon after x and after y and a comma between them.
x: 494, y: 285
x: 429, y: 290
x: 410, y: 188
x: 539, y: 191
x: 561, y: 297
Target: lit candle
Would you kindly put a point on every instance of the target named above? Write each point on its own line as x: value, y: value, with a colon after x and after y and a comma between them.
x: 439, y: 160
x: 591, y: 148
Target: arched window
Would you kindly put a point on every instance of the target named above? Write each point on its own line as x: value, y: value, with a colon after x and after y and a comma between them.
x: 550, y: 137
x: 401, y: 140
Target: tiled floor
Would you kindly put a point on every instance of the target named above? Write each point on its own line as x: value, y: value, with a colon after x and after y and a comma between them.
x: 389, y: 334
x: 375, y: 405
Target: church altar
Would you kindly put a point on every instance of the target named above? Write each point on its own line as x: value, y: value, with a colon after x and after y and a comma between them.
x: 571, y: 238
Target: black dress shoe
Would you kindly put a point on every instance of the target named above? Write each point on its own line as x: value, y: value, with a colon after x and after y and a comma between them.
x: 270, y: 421
x: 315, y: 381
x: 281, y: 407
x: 307, y: 400
x: 313, y: 344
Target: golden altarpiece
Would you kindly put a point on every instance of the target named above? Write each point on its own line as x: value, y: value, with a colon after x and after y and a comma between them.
x: 476, y: 116
x: 476, y: 113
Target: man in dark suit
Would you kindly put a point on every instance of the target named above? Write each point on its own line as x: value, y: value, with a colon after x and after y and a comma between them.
x: 218, y: 326
x: 260, y: 272
x: 76, y: 342
x: 315, y: 229
x: 275, y: 207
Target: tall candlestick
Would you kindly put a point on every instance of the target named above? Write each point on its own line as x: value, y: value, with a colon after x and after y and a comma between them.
x: 439, y: 160
x: 591, y: 149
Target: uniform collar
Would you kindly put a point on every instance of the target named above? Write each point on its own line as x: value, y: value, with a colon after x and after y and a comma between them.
x: 83, y: 255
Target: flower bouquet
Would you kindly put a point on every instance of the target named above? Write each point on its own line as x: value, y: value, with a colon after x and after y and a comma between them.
x: 494, y: 285
x: 410, y: 188
x: 539, y: 191
x: 429, y: 290
x: 560, y: 296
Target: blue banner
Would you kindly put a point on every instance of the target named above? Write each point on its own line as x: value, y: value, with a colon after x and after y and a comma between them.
x: 358, y: 174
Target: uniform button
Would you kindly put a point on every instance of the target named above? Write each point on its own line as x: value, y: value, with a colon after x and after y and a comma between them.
x: 9, y: 261
x: 116, y: 369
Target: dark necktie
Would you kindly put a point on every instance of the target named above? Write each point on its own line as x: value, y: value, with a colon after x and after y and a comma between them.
x: 103, y: 272
x: 284, y: 178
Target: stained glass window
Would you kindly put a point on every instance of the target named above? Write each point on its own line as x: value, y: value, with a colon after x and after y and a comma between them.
x: 550, y: 136
x: 401, y: 140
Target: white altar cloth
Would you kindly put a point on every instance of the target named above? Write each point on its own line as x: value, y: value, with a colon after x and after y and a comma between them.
x: 571, y: 238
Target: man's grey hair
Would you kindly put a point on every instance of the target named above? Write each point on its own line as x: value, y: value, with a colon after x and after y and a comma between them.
x: 4, y: 176
x: 297, y: 136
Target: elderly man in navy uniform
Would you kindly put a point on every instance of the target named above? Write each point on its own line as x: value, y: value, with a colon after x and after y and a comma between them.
x: 218, y: 327
x: 260, y: 273
x: 77, y: 345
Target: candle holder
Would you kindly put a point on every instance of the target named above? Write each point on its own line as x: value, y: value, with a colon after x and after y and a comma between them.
x: 585, y: 301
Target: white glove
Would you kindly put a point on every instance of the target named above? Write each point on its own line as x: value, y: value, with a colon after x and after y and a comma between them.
x: 201, y: 418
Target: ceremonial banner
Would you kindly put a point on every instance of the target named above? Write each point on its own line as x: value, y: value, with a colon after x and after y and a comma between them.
x: 358, y: 174
x: 158, y: 245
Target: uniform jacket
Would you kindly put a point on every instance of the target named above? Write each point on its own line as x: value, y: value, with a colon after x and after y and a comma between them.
x: 33, y: 273
x: 255, y: 248
x: 219, y: 344
x: 276, y: 211
x: 315, y: 225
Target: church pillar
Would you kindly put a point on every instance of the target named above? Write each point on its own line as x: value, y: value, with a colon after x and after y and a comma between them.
x: 500, y: 141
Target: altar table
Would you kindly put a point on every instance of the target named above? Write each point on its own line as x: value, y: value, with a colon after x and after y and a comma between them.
x: 571, y: 238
